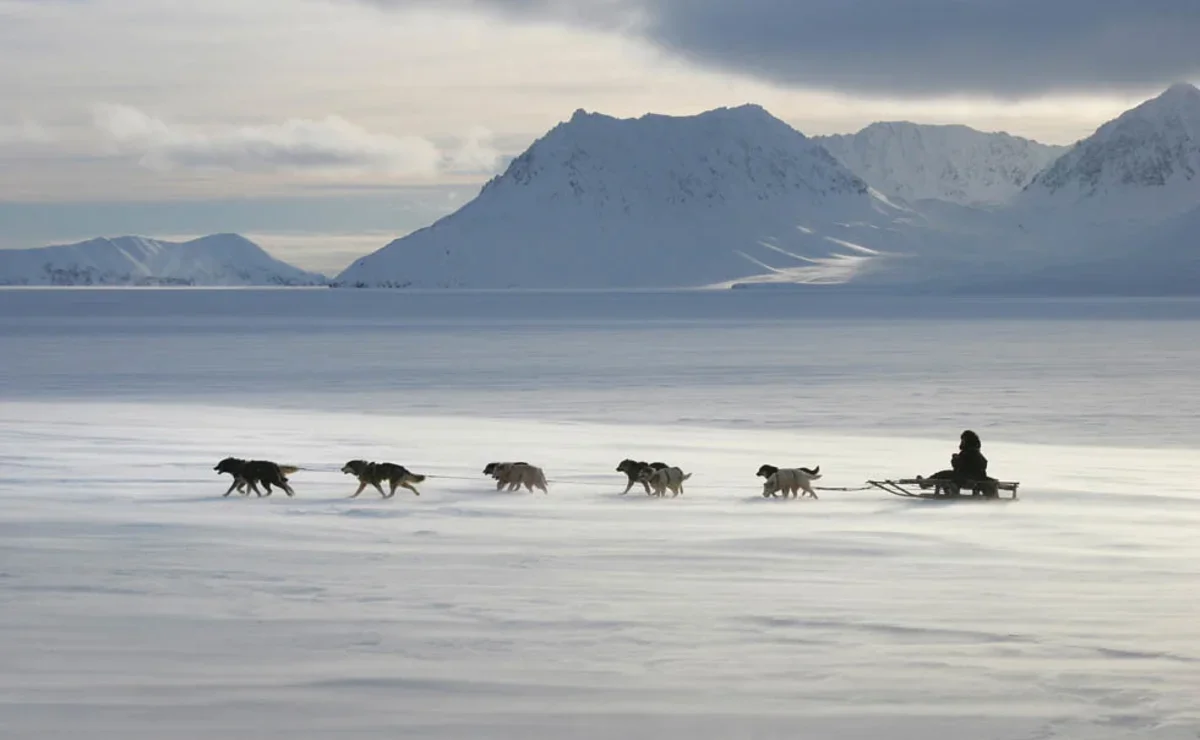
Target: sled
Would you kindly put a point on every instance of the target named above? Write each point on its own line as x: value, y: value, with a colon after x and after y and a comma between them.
x: 947, y: 490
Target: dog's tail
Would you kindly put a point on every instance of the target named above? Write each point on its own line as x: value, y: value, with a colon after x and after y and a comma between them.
x: 417, y: 478
x: 686, y: 476
x: 814, y: 472
x: 289, y: 469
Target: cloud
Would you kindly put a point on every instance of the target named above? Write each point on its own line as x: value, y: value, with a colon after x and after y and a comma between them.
x: 25, y: 132
x: 329, y: 144
x: 1007, y: 48
x: 476, y: 155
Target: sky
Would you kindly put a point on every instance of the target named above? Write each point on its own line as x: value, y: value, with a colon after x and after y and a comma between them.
x: 325, y: 128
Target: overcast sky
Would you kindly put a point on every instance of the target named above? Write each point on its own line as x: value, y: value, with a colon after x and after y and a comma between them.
x: 383, y: 114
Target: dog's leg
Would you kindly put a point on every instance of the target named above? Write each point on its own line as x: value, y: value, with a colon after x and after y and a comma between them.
x: 628, y: 486
x: 288, y: 490
x: 361, y: 485
x: 379, y: 488
x: 647, y: 487
x: 499, y: 484
x: 409, y: 486
x: 231, y: 487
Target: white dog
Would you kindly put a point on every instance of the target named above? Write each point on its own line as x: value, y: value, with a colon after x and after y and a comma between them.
x: 517, y: 474
x: 664, y: 479
x: 788, y: 480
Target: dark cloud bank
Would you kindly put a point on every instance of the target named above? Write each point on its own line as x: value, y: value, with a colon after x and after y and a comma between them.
x: 1008, y: 48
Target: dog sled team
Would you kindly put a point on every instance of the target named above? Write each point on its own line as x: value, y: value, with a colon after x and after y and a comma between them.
x: 656, y: 478
x: 968, y: 470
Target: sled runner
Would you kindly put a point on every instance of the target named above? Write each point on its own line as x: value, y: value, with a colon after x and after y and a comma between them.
x: 944, y: 489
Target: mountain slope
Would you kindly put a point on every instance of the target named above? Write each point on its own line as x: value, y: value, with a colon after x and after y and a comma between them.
x: 657, y: 201
x: 1142, y: 166
x: 954, y: 163
x: 217, y: 260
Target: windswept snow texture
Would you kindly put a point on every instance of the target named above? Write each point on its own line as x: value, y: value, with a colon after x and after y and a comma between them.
x: 913, y: 162
x: 217, y: 260
x: 657, y: 201
x: 135, y: 602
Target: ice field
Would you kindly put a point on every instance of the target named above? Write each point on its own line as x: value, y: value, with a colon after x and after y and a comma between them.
x: 136, y: 602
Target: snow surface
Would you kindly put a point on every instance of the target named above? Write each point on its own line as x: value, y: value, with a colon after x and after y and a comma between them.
x: 137, y: 603
x: 216, y: 260
x: 912, y: 161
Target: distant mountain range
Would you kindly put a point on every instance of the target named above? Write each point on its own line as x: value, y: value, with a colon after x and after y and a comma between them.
x: 218, y: 260
x: 656, y: 201
x: 737, y: 197
x: 958, y: 164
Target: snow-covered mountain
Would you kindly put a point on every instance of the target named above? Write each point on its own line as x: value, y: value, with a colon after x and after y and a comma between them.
x: 656, y: 201
x: 1142, y: 166
x: 220, y: 259
x: 959, y: 164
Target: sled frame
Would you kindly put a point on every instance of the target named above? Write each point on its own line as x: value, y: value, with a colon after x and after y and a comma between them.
x: 946, y: 490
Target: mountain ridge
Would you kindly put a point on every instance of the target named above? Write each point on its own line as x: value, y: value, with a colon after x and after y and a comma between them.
x: 1144, y: 163
x: 951, y: 162
x: 654, y: 200
x: 223, y: 259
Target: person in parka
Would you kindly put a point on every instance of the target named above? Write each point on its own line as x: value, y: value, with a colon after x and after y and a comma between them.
x: 968, y: 463
x: 968, y: 466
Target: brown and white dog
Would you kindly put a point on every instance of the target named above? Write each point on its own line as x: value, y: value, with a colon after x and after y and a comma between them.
x: 664, y: 479
x: 788, y: 481
x: 517, y: 474
x: 490, y: 469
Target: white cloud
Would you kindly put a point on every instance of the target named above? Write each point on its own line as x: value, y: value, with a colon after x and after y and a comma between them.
x: 476, y: 155
x: 25, y: 132
x: 327, y: 144
x: 247, y: 103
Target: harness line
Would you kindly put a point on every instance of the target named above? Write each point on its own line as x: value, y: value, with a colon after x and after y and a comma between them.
x: 597, y: 484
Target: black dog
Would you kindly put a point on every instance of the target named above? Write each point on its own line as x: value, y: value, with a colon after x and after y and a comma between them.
x: 251, y: 472
x: 633, y: 470
x: 767, y: 471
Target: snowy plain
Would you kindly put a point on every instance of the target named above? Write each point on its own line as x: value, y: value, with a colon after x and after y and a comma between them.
x: 135, y: 602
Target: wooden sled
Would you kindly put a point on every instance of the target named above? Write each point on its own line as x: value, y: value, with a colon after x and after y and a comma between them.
x: 948, y: 490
